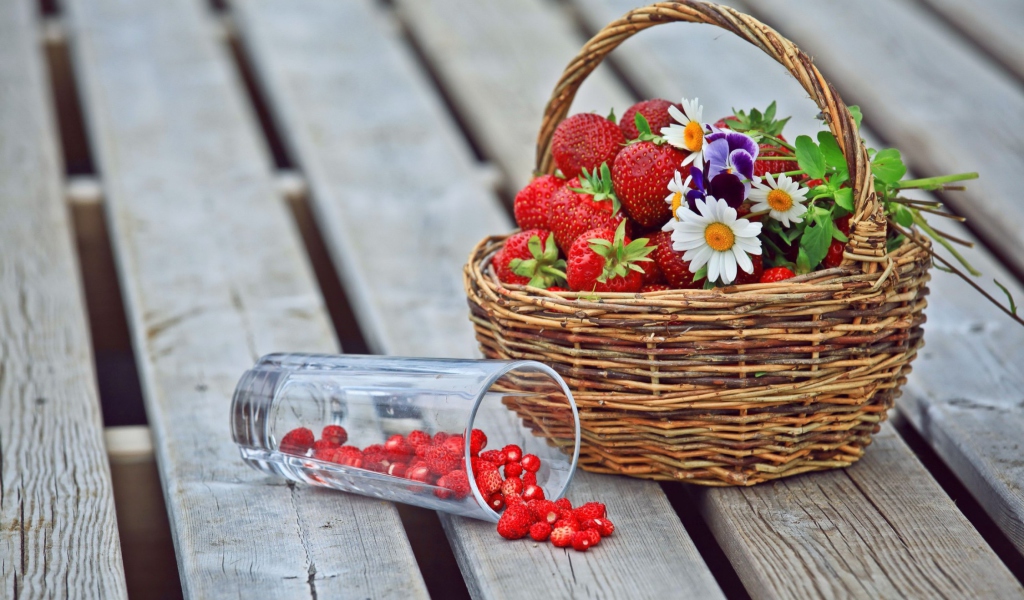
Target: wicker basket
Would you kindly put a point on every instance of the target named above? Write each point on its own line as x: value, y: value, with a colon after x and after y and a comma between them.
x: 728, y: 386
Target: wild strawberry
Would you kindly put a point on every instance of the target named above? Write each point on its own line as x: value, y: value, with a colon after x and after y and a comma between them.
x: 512, y: 485
x: 539, y: 532
x: 350, y: 456
x: 640, y: 174
x: 531, y: 463
x: 336, y: 434
x: 442, y: 491
x: 568, y: 521
x: 843, y: 224
x: 455, y: 444
x: 604, y: 526
x: 582, y: 204
x: 743, y: 278
x: 397, y: 469
x: 419, y: 473
x: 584, y: 141
x: 489, y: 482
x: 439, y: 438
x: 544, y: 510
x: 513, y: 453
x: 457, y: 482
x: 675, y: 270
x: 563, y: 504
x: 398, y: 447
x: 776, y: 274
x: 477, y: 441
x: 834, y: 258
x: 602, y: 260
x: 513, y: 499
x: 515, y: 522
x: 440, y: 460
x: 496, y: 501
x: 480, y: 465
x: 561, y: 537
x: 375, y: 458
x: 533, y: 202
x: 495, y: 456
x: 418, y: 438
x: 513, y: 469
x: 529, y: 258
x: 590, y: 510
x: 297, y: 441
x: 529, y: 478
x: 533, y: 492
x: 654, y: 111
x: 324, y: 449
x: 584, y: 540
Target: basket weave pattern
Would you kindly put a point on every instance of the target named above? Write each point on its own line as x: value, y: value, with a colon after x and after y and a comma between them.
x: 733, y: 385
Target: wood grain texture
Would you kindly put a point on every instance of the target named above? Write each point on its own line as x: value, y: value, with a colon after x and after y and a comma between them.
x: 215, y: 275
x: 498, y: 62
x: 915, y: 81
x: 58, y: 530
x: 335, y: 72
x: 746, y: 78
x: 995, y: 25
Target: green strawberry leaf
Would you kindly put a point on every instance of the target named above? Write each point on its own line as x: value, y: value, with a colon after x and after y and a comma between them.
x: 844, y: 198
x: 611, y: 115
x: 641, y: 124
x: 901, y: 214
x: 830, y: 150
x: 816, y: 239
x: 809, y: 157
x: 769, y: 113
x: 803, y: 264
x: 839, y: 235
x: 888, y: 166
x: 701, y: 273
x: 855, y: 113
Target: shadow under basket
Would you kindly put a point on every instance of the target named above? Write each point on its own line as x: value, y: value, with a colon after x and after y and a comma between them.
x: 734, y: 385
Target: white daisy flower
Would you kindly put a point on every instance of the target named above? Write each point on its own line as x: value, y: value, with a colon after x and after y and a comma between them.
x: 688, y: 131
x: 716, y: 238
x: 677, y: 197
x: 781, y: 198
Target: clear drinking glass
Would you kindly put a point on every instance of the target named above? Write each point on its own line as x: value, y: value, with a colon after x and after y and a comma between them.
x: 376, y: 397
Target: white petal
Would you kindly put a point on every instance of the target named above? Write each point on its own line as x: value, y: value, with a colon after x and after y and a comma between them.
x: 742, y: 260
x: 677, y: 114
x: 728, y: 266
x: 759, y: 206
x: 780, y: 216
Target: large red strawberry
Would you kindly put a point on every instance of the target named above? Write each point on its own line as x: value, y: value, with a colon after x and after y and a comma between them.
x: 581, y: 205
x: 655, y: 111
x: 533, y: 202
x: 675, y: 270
x: 641, y: 174
x: 603, y: 260
x: 584, y: 141
x: 530, y: 258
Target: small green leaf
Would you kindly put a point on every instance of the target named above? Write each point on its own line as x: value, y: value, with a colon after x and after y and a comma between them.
x: 760, y: 373
x: 902, y: 214
x: 769, y: 113
x: 855, y: 113
x: 701, y: 273
x: 809, y: 157
x: 844, y: 198
x: 803, y: 264
x: 642, y: 125
x: 888, y: 166
x: 830, y: 149
x: 839, y: 235
x: 611, y: 115
x: 816, y: 240
x: 895, y: 243
x: 1013, y: 305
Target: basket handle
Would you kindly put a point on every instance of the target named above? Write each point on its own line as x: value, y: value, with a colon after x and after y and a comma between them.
x: 868, y: 223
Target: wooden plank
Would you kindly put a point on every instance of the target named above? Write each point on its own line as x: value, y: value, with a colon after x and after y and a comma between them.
x: 499, y: 62
x: 335, y: 72
x: 59, y: 531
x: 215, y: 275
x: 995, y: 25
x: 916, y: 84
x: 651, y: 60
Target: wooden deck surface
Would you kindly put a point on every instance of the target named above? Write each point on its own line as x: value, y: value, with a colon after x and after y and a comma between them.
x: 422, y: 114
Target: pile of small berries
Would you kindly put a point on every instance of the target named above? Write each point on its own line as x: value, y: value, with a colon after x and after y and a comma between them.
x: 507, y: 479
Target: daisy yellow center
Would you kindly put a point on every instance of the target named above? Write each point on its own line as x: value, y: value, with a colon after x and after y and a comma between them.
x: 719, y: 236
x: 780, y: 200
x: 693, y: 136
x: 677, y: 201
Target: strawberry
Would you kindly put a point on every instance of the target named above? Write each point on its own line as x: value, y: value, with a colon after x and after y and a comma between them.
x: 514, y: 499
x: 657, y: 287
x: 776, y: 274
x: 529, y: 258
x: 489, y: 482
x: 603, y: 260
x: 496, y: 502
x: 324, y: 449
x: 743, y: 278
x: 544, y: 510
x: 336, y: 434
x: 590, y: 510
x: 397, y: 469
x: 529, y: 478
x: 532, y: 492
x: 515, y: 522
x: 495, y: 456
x: 480, y: 465
x: 561, y: 537
x: 513, y: 453
x: 375, y: 458
x: 440, y: 460
x: 843, y: 224
x: 513, y: 469
x: 397, y: 447
x: 640, y: 175
x: 834, y: 258
x: 533, y: 202
x: 439, y: 438
x: 675, y: 270
x: 567, y: 521
x: 584, y: 204
x: 457, y: 482
x: 540, y: 532
x: 654, y: 111
x: 477, y: 441
x: 296, y: 441
x: 350, y: 456
x: 456, y: 444
x: 442, y: 491
x: 652, y: 273
x: 420, y: 474
x: 763, y: 167
x: 604, y: 527
x: 563, y: 504
x: 531, y: 463
x: 512, y: 486
x: 583, y: 540
x: 584, y: 141
x: 417, y: 438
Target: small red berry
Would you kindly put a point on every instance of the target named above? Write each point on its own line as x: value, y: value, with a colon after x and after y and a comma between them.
x: 455, y: 444
x: 418, y: 438
x: 441, y: 460
x: 350, y: 456
x: 843, y: 224
x: 439, y: 438
x: 513, y: 469
x: 531, y: 463
x: 590, y: 510
x: 512, y: 485
x: 544, y: 510
x: 529, y: 478
x: 834, y: 258
x: 477, y: 441
x: 324, y: 449
x: 540, y: 531
x: 335, y: 434
x: 489, y: 482
x: 515, y: 522
x: 514, y: 499
x: 496, y: 502
x: 297, y: 441
x: 420, y: 473
x: 375, y: 458
x: 457, y: 482
x: 442, y: 491
x: 563, y: 503
x: 495, y: 456
x: 533, y: 492
x: 776, y: 274
x: 604, y: 527
x: 513, y: 453
x: 397, y: 469
x: 398, y: 447
x: 480, y: 465
x: 569, y: 522
x: 581, y: 541
x: 561, y: 537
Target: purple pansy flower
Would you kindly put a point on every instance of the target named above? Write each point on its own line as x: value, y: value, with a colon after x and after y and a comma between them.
x: 730, y: 161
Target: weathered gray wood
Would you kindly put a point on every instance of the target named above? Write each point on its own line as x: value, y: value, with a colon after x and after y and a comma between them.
x: 499, y: 62
x: 215, y: 275
x: 995, y: 25
x: 401, y: 209
x: 58, y: 531
x: 928, y: 93
x: 752, y: 79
